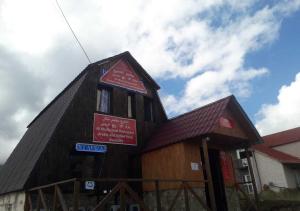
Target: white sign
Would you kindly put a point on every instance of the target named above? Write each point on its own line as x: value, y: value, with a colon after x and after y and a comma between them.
x: 89, y: 185
x: 195, y: 166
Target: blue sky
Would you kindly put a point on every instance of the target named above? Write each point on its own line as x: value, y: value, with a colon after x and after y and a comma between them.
x: 282, y: 59
x: 198, y: 51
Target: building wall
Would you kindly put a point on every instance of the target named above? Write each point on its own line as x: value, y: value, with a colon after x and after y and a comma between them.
x: 58, y: 161
x: 270, y: 170
x: 172, y: 162
x: 291, y: 149
x: 12, y: 202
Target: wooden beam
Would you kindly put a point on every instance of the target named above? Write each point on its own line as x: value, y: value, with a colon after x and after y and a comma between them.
x: 106, y: 199
x: 52, y: 184
x: 135, y: 197
x: 122, y: 199
x: 76, y: 195
x: 38, y: 202
x: 61, y: 199
x: 176, y: 197
x: 54, y: 199
x: 43, y: 200
x: 28, y: 203
x: 197, y: 197
x: 157, y: 193
x: 186, y: 198
x: 208, y: 174
x: 252, y: 176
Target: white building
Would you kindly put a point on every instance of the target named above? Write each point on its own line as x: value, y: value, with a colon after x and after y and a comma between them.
x: 277, y: 161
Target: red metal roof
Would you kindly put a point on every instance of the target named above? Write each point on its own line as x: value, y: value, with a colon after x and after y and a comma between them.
x: 189, y: 125
x: 280, y: 156
x: 284, y: 137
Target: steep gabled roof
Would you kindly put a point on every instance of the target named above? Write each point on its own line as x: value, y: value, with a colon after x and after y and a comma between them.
x: 283, y: 137
x: 277, y: 155
x: 111, y: 59
x: 19, y: 165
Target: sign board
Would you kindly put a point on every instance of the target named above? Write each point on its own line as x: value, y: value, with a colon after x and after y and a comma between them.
x: 195, y: 166
x: 81, y: 147
x: 114, y: 130
x: 89, y: 185
x: 227, y: 168
x: 121, y: 74
x: 225, y: 122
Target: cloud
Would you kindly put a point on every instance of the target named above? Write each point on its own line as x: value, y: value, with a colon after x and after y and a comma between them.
x: 202, y: 43
x: 284, y: 114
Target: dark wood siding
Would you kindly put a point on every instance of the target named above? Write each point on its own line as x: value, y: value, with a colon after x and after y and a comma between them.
x: 59, y: 161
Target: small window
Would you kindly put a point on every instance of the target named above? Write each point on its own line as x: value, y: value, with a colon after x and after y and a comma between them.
x: 102, y: 71
x: 103, y: 100
x: 148, y: 109
x: 130, y: 106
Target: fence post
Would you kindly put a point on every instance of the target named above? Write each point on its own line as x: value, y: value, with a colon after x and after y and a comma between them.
x: 76, y: 195
x: 54, y: 199
x: 157, y: 192
x: 208, y: 173
x: 122, y: 199
x: 186, y: 197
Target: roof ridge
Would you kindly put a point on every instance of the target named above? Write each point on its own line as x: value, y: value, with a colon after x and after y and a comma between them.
x: 204, y: 106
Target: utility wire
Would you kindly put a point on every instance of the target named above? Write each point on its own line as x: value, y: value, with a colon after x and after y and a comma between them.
x: 73, y: 32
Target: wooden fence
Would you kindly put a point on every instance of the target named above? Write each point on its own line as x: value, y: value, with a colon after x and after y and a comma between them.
x: 119, y: 187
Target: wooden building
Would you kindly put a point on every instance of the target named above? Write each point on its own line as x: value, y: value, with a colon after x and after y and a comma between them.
x: 115, y: 102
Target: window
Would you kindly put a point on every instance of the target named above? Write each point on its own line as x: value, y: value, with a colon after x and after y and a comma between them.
x: 148, y: 109
x: 130, y: 106
x: 103, y: 100
x: 248, y: 183
x: 238, y: 153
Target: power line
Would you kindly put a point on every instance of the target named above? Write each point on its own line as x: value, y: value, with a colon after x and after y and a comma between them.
x: 73, y: 32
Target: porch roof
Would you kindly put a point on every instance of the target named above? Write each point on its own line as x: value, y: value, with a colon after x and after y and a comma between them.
x: 199, y: 122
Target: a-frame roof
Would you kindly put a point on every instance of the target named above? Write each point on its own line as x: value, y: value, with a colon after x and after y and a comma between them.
x: 196, y: 123
x: 21, y: 162
x: 17, y: 169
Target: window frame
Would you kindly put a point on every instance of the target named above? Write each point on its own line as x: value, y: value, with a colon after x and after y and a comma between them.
x: 150, y: 101
x: 99, y: 97
x: 132, y: 105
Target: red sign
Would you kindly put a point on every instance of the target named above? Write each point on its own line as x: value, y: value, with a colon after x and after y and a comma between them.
x: 224, y: 122
x: 114, y: 130
x: 121, y: 74
x: 227, y: 168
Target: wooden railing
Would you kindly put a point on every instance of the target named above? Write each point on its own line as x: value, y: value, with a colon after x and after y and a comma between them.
x: 119, y: 188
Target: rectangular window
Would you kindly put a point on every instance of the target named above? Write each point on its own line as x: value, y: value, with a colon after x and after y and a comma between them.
x: 248, y: 186
x: 148, y: 109
x: 103, y: 100
x: 130, y: 106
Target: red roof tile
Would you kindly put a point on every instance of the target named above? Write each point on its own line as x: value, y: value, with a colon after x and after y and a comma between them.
x: 284, y: 137
x: 280, y: 156
x: 189, y: 125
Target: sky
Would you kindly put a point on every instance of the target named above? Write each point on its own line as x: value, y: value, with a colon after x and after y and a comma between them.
x: 197, y: 50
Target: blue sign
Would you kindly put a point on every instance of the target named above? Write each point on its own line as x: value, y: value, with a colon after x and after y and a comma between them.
x: 80, y: 147
x: 89, y: 185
